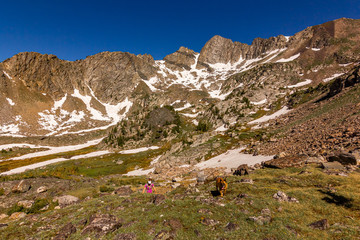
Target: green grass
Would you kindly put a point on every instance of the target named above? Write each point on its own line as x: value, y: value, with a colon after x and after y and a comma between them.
x: 91, y: 167
x: 11, y: 164
x: 341, y: 206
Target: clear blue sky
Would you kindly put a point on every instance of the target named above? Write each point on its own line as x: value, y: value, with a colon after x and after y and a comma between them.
x: 75, y: 29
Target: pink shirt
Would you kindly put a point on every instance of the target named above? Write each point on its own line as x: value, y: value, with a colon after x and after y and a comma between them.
x: 149, y: 188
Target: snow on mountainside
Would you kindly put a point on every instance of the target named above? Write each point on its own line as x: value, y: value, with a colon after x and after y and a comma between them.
x: 43, y: 95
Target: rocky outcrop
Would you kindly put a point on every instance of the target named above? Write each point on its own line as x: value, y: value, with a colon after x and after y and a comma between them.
x: 343, y: 158
x: 182, y: 58
x: 286, y: 162
x: 223, y: 50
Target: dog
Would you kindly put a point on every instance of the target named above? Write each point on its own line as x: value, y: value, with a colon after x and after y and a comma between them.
x: 221, y: 186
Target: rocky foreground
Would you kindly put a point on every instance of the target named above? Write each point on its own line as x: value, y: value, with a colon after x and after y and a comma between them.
x: 288, y: 198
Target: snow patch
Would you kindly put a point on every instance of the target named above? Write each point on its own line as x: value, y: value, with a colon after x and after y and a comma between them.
x: 54, y: 150
x: 221, y: 129
x: 10, y: 101
x: 232, y: 159
x: 137, y: 150
x: 260, y: 102
x: 315, y: 49
x: 292, y: 58
x: 300, y: 84
x: 345, y: 65
x: 190, y: 115
x: 272, y: 116
x: 139, y: 172
x: 42, y: 164
x: 8, y: 76
x: 332, y: 77
x: 187, y: 105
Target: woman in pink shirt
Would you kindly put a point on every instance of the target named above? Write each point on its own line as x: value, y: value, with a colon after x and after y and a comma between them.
x: 149, y: 187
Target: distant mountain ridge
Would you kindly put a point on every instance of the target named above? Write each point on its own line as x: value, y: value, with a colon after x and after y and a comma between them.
x: 43, y: 95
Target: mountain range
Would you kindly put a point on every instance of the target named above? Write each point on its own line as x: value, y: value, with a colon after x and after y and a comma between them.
x: 43, y: 95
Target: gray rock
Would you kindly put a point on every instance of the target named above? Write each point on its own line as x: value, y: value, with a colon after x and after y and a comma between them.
x: 164, y: 235
x: 26, y: 203
x: 21, y: 187
x: 261, y: 220
x: 102, y: 224
x: 209, y: 222
x: 321, y: 224
x: 2, y: 225
x: 332, y: 166
x: 66, y: 200
x: 343, y: 158
x: 282, y: 197
x: 41, y: 189
x: 158, y: 199
x: 230, y: 226
x: 17, y: 215
x: 125, y: 236
x: 65, y: 232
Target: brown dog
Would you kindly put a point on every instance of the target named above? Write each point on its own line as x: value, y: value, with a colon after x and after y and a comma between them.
x: 221, y: 186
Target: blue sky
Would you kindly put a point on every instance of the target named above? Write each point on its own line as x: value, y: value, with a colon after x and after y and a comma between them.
x: 75, y: 29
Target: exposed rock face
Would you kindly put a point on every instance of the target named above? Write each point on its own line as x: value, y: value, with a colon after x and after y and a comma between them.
x: 285, y: 162
x: 222, y: 50
x: 182, y: 58
x: 343, y: 158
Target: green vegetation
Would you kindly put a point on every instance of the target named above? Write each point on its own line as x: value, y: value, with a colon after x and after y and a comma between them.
x: 93, y: 167
x: 320, y: 196
x: 8, y: 165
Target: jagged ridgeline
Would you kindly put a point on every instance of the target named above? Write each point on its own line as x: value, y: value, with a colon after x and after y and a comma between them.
x: 43, y: 95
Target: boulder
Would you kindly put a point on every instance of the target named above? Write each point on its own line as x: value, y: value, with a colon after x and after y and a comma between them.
x: 157, y: 199
x: 174, y: 223
x: 102, y: 224
x: 343, y: 158
x: 3, y: 215
x: 286, y: 162
x: 317, y: 159
x: 123, y: 191
x: 26, y: 203
x: 230, y: 226
x: 321, y: 224
x: 332, y: 166
x: 266, y: 211
x: 66, y: 200
x: 17, y: 215
x: 125, y: 236
x: 2, y: 225
x: 260, y: 220
x: 247, y: 180
x: 65, y: 232
x: 242, y: 170
x: 41, y: 189
x: 282, y: 197
x: 209, y: 221
x: 164, y: 235
x: 21, y: 187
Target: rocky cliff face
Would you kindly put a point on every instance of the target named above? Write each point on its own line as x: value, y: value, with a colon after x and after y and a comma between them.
x: 41, y: 94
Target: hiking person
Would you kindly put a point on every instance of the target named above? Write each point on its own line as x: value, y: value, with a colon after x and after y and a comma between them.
x: 149, y: 187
